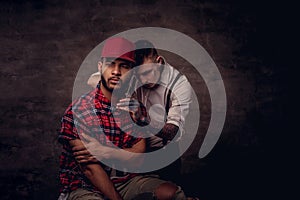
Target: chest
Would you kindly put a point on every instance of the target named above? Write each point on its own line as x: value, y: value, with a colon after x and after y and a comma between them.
x: 111, y: 129
x: 152, y: 97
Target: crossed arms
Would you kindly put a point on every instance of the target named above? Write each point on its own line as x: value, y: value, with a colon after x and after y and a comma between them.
x: 96, y: 174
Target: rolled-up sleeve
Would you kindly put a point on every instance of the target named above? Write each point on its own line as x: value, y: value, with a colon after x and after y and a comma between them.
x: 181, y: 98
x: 68, y: 130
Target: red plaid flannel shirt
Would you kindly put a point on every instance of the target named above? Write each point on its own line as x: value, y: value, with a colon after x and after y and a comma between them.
x: 92, y: 114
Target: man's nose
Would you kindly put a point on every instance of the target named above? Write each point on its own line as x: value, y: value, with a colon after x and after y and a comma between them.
x: 116, y: 70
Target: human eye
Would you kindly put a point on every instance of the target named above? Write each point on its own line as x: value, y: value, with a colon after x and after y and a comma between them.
x: 126, y: 66
x: 108, y: 64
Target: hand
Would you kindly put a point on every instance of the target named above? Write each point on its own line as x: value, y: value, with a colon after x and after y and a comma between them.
x: 90, y: 150
x: 133, y: 106
x: 82, y: 155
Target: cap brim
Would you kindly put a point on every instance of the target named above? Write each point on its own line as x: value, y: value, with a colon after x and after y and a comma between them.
x: 128, y: 59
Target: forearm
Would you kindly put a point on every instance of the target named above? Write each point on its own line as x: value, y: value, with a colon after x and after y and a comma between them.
x: 124, y: 155
x: 132, y: 156
x: 99, y: 178
x: 94, y: 151
x: 168, y: 132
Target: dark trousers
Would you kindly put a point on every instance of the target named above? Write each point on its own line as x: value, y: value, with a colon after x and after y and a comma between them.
x: 172, y: 172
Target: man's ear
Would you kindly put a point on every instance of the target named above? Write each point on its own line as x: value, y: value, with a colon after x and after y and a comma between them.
x: 160, y: 60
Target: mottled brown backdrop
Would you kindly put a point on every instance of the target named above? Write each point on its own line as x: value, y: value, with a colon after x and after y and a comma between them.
x: 44, y: 42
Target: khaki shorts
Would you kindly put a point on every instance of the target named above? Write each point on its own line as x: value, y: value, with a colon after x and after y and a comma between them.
x: 128, y: 190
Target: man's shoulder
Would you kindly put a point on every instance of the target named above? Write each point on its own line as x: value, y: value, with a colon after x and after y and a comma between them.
x: 83, y: 102
x: 171, y: 76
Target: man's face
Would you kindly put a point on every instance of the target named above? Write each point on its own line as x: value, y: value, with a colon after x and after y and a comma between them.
x: 114, y: 72
x: 149, y: 73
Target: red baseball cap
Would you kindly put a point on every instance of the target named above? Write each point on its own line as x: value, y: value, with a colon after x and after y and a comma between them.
x: 118, y: 47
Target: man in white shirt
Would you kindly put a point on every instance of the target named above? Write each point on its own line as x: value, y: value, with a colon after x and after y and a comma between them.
x: 167, y: 96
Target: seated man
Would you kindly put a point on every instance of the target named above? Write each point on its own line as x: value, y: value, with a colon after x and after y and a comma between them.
x: 90, y: 119
x: 168, y: 92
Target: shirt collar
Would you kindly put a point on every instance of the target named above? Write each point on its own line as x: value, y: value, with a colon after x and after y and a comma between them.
x: 164, y: 75
x: 102, y: 101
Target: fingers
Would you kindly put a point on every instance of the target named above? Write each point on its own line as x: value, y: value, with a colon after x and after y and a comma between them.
x: 80, y: 158
x: 79, y: 148
x: 75, y: 142
x: 124, y: 100
x: 85, y: 159
x: 84, y: 156
x: 128, y: 104
x: 130, y: 100
x: 124, y: 108
x: 81, y: 153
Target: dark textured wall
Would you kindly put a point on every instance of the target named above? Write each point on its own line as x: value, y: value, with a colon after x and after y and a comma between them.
x: 44, y: 42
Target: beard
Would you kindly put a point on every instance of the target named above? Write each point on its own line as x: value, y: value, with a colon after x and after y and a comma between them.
x: 118, y: 92
x: 104, y: 83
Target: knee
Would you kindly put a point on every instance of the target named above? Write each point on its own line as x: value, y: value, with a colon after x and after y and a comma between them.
x: 166, y: 191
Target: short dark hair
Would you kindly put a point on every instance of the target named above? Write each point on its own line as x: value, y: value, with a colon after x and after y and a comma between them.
x: 144, y: 49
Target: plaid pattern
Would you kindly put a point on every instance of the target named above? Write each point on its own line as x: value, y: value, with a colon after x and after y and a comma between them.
x: 92, y: 114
